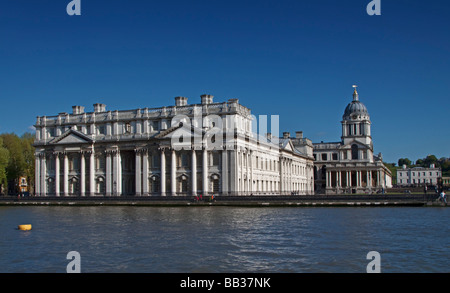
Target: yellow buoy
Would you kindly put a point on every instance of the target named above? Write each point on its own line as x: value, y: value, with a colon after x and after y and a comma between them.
x: 26, y: 227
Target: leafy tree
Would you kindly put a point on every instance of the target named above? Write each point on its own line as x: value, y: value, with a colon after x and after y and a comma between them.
x: 430, y: 159
x: 4, y: 159
x: 16, y: 163
x: 20, y: 160
x: 27, y: 140
x: 404, y: 161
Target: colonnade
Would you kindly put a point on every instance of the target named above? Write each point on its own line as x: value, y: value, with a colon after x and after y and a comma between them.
x: 113, y: 172
x: 354, y: 178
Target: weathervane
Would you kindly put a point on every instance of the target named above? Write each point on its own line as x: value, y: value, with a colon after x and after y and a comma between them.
x: 355, y: 93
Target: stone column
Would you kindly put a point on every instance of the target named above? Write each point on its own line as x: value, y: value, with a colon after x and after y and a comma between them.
x: 378, y: 179
x: 145, y: 172
x: 163, y: 173
x: 194, y: 172
x: 173, y: 173
x: 43, y: 175
x: 108, y: 174
x: 92, y: 173
x: 233, y: 173
x: 367, y: 179
x: 115, y: 173
x: 83, y: 174
x: 66, y: 175
x: 205, y: 172
x: 57, y: 176
x: 138, y: 173
x: 224, y: 171
x: 37, y: 178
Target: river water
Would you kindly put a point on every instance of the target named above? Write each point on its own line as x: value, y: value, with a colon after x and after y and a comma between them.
x: 224, y: 239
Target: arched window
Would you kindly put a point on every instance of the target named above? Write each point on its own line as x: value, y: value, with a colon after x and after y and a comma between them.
x: 354, y: 152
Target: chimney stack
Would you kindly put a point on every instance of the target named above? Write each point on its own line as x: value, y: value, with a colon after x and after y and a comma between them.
x: 99, y: 108
x: 180, y: 101
x: 286, y: 135
x: 207, y: 99
x: 77, y: 110
x: 299, y: 134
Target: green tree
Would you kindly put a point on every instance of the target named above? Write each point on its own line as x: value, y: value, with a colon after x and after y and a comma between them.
x: 27, y: 140
x: 4, y: 160
x: 16, y: 164
x: 404, y: 161
x: 430, y: 159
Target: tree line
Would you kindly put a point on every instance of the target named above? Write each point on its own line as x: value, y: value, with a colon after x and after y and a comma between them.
x: 16, y: 160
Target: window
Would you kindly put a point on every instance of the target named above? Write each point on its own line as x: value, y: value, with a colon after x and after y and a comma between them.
x: 184, y: 160
x: 51, y: 132
x: 155, y: 183
x: 155, y: 125
x: 184, y: 185
x: 127, y: 128
x: 354, y: 152
x: 101, y: 163
x: 216, y: 159
x: 156, y: 161
x: 324, y: 157
x: 335, y: 157
x: 102, y: 129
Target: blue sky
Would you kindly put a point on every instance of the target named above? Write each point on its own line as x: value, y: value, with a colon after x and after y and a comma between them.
x: 293, y: 58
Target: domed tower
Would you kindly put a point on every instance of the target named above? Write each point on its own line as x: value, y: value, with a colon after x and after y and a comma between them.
x: 356, y: 128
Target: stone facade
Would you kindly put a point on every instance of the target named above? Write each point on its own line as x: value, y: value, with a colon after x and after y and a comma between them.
x: 186, y: 149
x: 418, y: 176
x: 350, y: 165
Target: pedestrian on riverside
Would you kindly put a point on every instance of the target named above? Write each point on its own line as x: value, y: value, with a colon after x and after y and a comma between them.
x: 443, y: 197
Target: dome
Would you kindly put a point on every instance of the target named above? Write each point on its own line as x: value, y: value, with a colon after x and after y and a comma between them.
x: 356, y: 108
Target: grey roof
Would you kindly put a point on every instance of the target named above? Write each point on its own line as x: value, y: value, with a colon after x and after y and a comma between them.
x: 355, y: 107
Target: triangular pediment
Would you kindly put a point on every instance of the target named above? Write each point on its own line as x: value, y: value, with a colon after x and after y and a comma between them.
x: 71, y: 137
x: 184, y: 131
x: 286, y: 144
x: 348, y: 145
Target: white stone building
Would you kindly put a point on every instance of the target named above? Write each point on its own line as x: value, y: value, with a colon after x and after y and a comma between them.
x: 350, y: 165
x: 185, y: 149
x: 418, y: 176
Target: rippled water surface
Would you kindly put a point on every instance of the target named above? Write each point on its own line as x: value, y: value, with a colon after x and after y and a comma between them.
x: 224, y: 239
